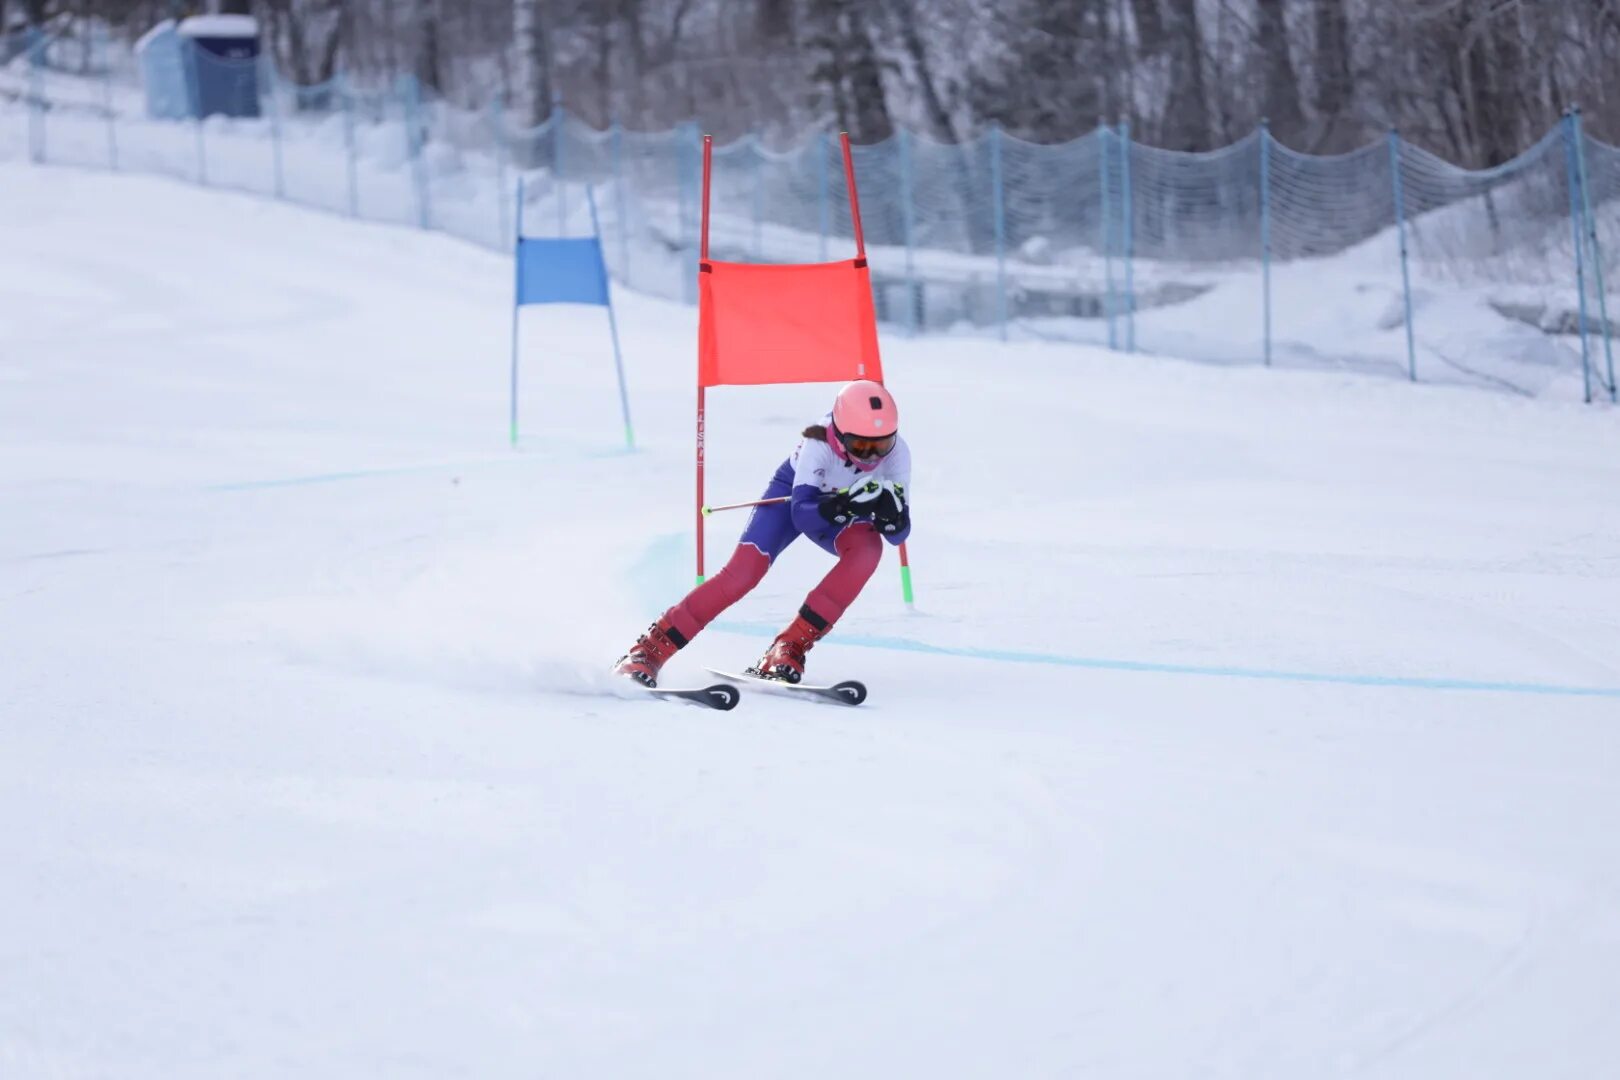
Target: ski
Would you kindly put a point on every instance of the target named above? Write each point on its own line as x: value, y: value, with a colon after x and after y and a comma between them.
x: 848, y: 692
x: 721, y: 696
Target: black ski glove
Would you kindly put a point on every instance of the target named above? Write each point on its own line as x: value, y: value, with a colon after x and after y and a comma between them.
x: 889, y: 511
x: 836, y: 508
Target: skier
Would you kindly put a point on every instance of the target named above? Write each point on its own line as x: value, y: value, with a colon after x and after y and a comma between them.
x: 845, y: 488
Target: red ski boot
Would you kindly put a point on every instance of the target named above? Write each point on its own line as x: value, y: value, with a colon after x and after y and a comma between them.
x: 785, y: 658
x: 650, y: 652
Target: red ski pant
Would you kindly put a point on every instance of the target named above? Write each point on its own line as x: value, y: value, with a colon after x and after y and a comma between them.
x: 859, y: 550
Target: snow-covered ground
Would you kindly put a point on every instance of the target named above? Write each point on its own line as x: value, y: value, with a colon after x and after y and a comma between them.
x: 1250, y: 724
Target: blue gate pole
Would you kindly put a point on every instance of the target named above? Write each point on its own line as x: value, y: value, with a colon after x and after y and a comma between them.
x: 274, y: 95
x: 1104, y: 133
x: 340, y: 85
x: 1400, y: 234
x: 1572, y: 170
x: 823, y: 211
x: 613, y: 323
x: 497, y: 133
x: 517, y: 297
x: 906, y: 214
x: 623, y: 221
x: 999, y: 195
x: 1265, y: 230
x: 1597, y: 250
x: 1128, y: 234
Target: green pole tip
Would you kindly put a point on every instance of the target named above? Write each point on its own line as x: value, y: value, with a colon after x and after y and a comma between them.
x: 707, y: 511
x: 905, y: 583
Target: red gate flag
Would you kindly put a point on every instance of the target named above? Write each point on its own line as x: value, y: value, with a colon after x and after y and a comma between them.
x: 759, y: 323
x: 786, y: 324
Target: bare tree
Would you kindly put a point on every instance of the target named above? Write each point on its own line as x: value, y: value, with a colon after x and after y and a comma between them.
x: 1186, y: 123
x: 1282, y: 102
x: 851, y: 69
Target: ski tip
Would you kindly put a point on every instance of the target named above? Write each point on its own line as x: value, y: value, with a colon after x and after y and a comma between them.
x: 850, y: 691
x: 722, y: 696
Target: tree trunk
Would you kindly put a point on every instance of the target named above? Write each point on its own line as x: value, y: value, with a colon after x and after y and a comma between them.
x: 1281, y: 103
x: 605, y: 28
x: 422, y: 30
x: 1335, y: 86
x: 939, y: 117
x: 872, y: 120
x: 851, y: 71
x: 1187, y: 113
x: 532, y: 76
x: 1150, y: 32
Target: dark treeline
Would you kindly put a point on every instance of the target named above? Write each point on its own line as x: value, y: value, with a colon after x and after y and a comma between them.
x: 1475, y: 81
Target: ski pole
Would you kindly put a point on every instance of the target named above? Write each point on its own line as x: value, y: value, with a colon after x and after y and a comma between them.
x: 707, y: 510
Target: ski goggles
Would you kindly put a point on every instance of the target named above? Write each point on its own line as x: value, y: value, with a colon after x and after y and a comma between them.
x: 866, y: 448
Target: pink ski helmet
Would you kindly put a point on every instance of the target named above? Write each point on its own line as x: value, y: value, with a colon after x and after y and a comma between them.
x: 865, y: 424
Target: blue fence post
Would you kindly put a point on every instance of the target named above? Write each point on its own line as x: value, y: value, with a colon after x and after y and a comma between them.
x: 823, y: 207
x: 619, y: 212
x: 1399, y: 182
x: 559, y: 121
x: 1265, y: 231
x: 36, y: 94
x: 1127, y: 234
x: 1597, y: 250
x: 497, y: 135
x: 689, y: 163
x: 758, y: 157
x: 414, y: 141
x: 202, y: 152
x: 1104, y: 134
x: 517, y: 296
x: 273, y: 95
x: 1572, y: 170
x: 906, y: 223
x: 107, y: 107
x: 999, y: 198
x: 351, y: 158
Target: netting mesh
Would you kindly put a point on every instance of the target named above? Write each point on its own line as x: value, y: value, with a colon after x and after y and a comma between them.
x: 1385, y: 259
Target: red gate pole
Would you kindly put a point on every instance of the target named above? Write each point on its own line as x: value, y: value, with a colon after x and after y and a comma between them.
x: 860, y: 259
x: 854, y: 200
x: 703, y: 266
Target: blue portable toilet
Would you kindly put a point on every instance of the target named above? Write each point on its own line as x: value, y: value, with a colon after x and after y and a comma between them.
x: 164, y: 72
x: 224, y: 53
x: 200, y: 66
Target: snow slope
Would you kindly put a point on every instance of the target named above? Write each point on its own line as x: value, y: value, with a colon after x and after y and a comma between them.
x: 1251, y: 724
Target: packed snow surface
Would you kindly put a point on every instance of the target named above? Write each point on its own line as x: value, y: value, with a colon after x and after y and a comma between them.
x: 1249, y: 724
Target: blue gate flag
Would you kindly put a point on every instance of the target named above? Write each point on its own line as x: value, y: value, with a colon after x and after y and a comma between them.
x: 563, y: 270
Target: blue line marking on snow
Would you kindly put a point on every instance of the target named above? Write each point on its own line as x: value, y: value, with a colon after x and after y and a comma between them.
x: 407, y: 470
x: 1012, y: 656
